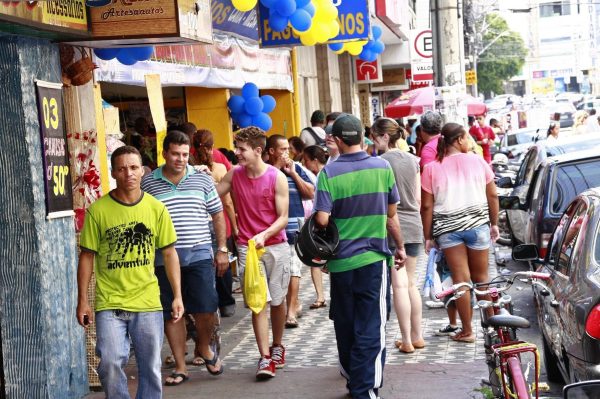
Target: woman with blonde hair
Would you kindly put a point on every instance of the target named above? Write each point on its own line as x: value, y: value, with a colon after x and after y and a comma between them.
x: 580, y: 127
x: 459, y: 209
x: 386, y: 133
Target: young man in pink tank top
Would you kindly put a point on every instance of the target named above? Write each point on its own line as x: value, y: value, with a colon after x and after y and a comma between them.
x: 260, y: 193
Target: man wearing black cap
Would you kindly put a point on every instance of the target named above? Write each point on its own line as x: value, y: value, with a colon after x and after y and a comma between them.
x: 314, y: 135
x: 358, y: 192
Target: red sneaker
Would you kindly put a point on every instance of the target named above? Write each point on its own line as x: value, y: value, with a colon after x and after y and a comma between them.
x: 266, y: 368
x: 278, y: 355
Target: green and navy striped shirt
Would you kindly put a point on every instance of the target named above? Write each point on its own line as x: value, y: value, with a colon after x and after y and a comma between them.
x: 190, y: 204
x: 356, y: 190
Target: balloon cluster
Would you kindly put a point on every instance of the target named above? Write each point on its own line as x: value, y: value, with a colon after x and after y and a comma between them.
x: 125, y: 55
x: 251, y: 110
x: 298, y: 13
x: 365, y: 50
x: 324, y: 26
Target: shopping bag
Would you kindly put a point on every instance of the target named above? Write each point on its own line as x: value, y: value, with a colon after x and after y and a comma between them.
x: 432, y: 284
x: 255, y: 282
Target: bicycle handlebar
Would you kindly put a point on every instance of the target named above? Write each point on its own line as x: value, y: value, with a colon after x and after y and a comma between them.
x: 507, y: 283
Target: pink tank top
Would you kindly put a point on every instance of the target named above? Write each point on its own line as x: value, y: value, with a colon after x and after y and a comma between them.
x: 255, y: 204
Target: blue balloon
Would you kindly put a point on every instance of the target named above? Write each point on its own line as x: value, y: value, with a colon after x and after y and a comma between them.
x: 285, y: 7
x: 125, y: 57
x: 335, y: 46
x: 378, y: 47
x: 249, y: 90
x: 106, y: 53
x: 367, y: 55
x: 141, y: 53
x: 277, y: 22
x: 268, y: 102
x: 302, y: 3
x: 301, y: 20
x: 309, y: 8
x: 377, y: 32
x: 262, y: 121
x: 268, y: 3
x: 254, y: 106
x: 244, y: 120
x: 236, y: 104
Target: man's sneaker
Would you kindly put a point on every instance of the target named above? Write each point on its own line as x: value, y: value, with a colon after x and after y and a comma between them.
x: 448, y: 330
x: 266, y: 368
x: 278, y: 356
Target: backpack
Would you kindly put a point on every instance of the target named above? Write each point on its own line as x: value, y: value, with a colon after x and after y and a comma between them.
x: 318, y: 141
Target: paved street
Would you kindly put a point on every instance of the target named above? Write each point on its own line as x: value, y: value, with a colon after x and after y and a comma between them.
x: 443, y: 368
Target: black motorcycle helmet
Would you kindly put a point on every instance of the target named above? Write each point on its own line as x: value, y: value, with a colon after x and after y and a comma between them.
x: 316, y: 246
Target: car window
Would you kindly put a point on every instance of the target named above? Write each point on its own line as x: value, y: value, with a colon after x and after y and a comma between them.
x: 527, y: 166
x: 554, y: 245
x: 535, y: 189
x: 572, y: 179
x: 571, y: 233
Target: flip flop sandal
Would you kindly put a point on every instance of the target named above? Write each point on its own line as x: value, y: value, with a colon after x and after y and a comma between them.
x: 416, y: 345
x: 291, y: 323
x: 169, y: 361
x: 174, y: 376
x: 213, y: 362
x: 468, y: 339
x: 198, y: 361
x: 317, y: 305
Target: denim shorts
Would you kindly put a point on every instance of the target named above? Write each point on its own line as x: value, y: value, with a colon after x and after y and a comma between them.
x: 413, y: 249
x: 477, y: 238
x: 198, y: 288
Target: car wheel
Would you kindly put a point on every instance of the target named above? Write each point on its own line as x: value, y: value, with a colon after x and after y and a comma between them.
x: 551, y: 363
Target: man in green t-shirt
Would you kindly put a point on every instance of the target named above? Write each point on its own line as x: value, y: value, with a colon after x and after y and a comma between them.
x: 121, y: 232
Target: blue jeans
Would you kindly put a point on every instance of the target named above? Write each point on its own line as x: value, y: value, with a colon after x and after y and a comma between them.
x: 113, y: 330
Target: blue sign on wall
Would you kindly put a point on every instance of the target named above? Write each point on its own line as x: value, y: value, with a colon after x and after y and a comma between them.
x: 353, y: 17
x: 226, y: 18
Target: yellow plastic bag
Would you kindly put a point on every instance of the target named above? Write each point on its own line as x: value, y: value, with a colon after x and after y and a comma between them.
x: 255, y: 282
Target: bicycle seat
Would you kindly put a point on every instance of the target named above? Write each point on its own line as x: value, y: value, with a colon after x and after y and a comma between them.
x: 505, y: 319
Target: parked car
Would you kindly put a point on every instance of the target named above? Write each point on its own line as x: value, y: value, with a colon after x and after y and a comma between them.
x: 569, y: 316
x: 563, y: 111
x: 556, y: 181
x: 521, y: 186
x: 517, y: 142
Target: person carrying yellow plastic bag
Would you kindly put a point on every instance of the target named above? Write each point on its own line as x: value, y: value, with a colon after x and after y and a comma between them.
x: 255, y: 281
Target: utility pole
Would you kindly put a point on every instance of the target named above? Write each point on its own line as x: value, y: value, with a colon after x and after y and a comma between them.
x: 448, y: 42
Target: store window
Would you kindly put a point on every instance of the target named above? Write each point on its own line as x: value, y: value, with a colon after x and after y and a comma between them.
x: 555, y: 9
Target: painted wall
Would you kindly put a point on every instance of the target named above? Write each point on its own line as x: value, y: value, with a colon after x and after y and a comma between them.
x: 43, y: 347
x: 207, y: 109
x: 283, y: 114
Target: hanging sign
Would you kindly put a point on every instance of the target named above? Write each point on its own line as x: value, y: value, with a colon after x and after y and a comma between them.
x: 55, y: 156
x: 353, y: 17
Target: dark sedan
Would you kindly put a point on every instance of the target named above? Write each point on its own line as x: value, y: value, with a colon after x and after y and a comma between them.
x: 569, y: 316
x: 554, y: 184
x: 522, y: 185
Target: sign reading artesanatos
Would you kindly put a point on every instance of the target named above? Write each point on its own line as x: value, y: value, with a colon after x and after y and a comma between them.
x: 353, y: 17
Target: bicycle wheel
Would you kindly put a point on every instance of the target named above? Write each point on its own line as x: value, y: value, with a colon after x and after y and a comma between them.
x: 516, y: 379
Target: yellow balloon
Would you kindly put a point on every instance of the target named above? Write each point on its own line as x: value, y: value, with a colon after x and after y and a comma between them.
x: 244, y: 5
x: 334, y: 28
x: 329, y: 11
x: 307, y: 39
x: 355, y: 48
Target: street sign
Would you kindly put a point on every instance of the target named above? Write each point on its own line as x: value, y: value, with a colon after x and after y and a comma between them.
x: 367, y: 72
x: 421, y: 55
x: 470, y: 77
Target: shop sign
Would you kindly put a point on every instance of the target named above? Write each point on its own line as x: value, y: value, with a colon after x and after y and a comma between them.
x: 69, y: 14
x: 393, y: 79
x: 353, y: 17
x: 55, y: 156
x: 228, y: 19
x: 390, y: 13
x: 367, y: 72
x: 151, y: 21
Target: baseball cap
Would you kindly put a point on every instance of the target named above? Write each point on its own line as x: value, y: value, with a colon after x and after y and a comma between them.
x: 347, y: 127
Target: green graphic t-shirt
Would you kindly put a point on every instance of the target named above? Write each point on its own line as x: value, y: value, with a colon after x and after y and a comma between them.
x: 124, y: 238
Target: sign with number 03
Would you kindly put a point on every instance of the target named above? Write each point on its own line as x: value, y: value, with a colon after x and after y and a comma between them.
x: 55, y: 156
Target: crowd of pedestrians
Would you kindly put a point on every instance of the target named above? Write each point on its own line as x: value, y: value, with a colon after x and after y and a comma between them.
x: 161, y: 243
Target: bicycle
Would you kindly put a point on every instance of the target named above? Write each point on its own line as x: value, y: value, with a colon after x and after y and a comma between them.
x: 503, y: 350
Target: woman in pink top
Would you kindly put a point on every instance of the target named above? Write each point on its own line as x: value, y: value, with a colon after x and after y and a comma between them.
x: 459, y: 210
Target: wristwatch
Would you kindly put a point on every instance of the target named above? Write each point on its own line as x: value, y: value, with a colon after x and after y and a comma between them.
x: 224, y: 250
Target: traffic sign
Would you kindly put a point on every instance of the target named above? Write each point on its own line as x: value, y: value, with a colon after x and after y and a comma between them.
x: 423, y: 44
x: 470, y: 77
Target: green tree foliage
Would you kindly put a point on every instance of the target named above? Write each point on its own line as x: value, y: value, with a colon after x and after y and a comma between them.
x: 503, y: 55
